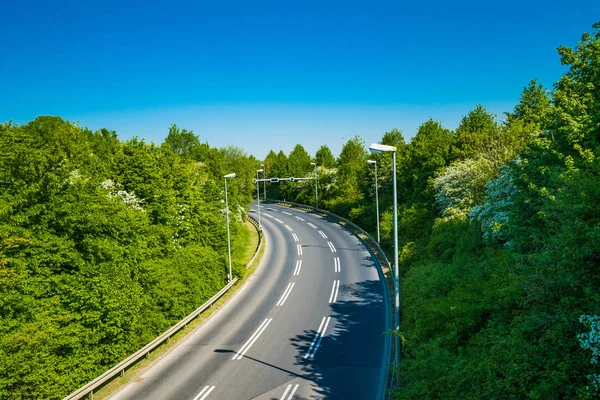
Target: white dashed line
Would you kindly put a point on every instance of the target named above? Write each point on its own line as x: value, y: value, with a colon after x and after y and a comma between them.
x: 285, y: 294
x: 298, y: 267
x: 206, y: 391
x: 288, y: 228
x: 295, y: 237
x: 240, y: 354
x: 268, y: 215
x: 336, y: 264
x: 334, y: 291
x: 285, y: 212
x: 291, y: 394
x: 312, y: 226
x: 314, y: 346
x: 278, y: 220
x: 300, y: 218
x: 323, y: 234
x: 332, y: 247
x: 299, y: 247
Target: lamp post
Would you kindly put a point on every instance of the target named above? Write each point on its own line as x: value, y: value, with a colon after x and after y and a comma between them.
x: 380, y: 148
x: 232, y: 175
x: 265, y: 182
x: 316, y: 184
x: 258, y: 197
x: 376, y: 196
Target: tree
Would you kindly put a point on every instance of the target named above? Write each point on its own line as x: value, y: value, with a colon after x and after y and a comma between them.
x: 478, y: 132
x: 324, y: 157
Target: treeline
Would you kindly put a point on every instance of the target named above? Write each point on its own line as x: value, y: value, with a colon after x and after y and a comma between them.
x: 104, y: 244
x: 499, y: 224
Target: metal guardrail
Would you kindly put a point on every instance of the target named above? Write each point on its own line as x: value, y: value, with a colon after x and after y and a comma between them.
x: 119, y: 369
x: 375, y: 248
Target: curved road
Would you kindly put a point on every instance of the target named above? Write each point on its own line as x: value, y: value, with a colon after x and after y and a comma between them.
x: 308, y: 324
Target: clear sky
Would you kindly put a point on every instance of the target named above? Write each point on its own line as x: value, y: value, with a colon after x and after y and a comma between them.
x: 270, y: 74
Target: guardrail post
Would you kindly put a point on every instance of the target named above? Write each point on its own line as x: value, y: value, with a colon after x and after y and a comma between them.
x: 123, y: 372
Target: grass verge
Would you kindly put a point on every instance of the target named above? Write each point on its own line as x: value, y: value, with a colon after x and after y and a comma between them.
x: 241, y: 253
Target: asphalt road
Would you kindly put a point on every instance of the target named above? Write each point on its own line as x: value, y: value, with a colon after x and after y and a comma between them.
x: 309, y: 324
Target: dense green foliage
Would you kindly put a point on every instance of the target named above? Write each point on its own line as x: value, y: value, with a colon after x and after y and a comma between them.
x: 499, y: 241
x: 104, y: 244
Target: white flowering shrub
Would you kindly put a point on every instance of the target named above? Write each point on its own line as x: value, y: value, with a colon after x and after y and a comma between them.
x: 115, y: 191
x: 493, y: 213
x: 591, y: 341
x: 75, y: 176
x: 459, y: 187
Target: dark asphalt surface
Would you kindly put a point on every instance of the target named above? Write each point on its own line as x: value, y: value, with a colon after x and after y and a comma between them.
x: 266, y: 342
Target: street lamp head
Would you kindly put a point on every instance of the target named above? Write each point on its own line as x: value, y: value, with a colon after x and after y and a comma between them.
x: 372, y: 161
x: 232, y: 175
x: 380, y: 148
x: 259, y: 170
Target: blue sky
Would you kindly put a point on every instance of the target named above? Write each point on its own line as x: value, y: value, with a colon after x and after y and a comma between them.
x: 270, y: 74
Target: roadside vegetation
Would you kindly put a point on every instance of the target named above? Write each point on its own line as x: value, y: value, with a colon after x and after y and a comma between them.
x: 104, y: 244
x: 499, y: 224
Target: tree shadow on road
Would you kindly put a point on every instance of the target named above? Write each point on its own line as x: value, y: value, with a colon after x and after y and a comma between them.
x: 347, y: 364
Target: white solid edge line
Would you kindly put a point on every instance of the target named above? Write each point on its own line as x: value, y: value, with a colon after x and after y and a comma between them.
x: 321, y: 338
x: 282, y: 298
x: 255, y: 339
x: 315, y: 339
x: 332, y: 292
x: 293, y: 391
x: 207, y: 393
x: 286, y: 392
x: 248, y: 341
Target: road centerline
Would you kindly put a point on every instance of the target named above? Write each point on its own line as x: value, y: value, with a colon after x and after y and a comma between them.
x: 240, y: 354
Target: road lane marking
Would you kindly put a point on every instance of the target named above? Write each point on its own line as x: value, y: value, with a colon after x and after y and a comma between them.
x: 280, y: 221
x: 318, y: 338
x: 209, y: 388
x: 336, y: 264
x: 334, y: 291
x: 312, y: 226
x: 332, y: 247
x: 288, y: 228
x: 285, y: 294
x: 298, y: 267
x: 291, y: 394
x: 323, y: 234
x: 268, y: 215
x: 240, y: 354
x: 300, y: 218
x: 295, y: 237
x: 299, y: 247
x: 285, y: 212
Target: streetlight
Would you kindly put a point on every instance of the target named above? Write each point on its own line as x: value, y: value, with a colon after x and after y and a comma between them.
x: 258, y: 196
x: 378, y: 149
x: 376, y: 196
x: 232, y: 175
x: 316, y: 185
x: 265, y: 182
